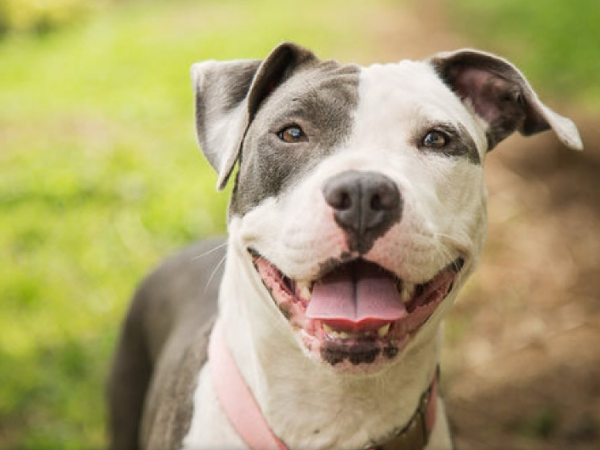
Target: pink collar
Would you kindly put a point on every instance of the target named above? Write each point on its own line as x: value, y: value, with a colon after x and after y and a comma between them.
x: 247, y: 419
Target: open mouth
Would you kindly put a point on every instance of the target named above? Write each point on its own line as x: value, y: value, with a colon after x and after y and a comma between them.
x: 358, y: 311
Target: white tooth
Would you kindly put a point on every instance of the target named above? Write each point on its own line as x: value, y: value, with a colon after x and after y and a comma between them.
x: 305, y: 292
x: 338, y: 334
x: 334, y: 334
x: 304, y: 289
x: 408, y: 289
x: 381, y: 332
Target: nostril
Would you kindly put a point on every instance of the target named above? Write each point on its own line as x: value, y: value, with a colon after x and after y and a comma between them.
x: 376, y: 204
x: 345, y: 202
x: 385, y: 198
x: 339, y: 199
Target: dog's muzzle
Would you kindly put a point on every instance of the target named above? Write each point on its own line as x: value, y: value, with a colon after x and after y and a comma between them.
x: 355, y: 312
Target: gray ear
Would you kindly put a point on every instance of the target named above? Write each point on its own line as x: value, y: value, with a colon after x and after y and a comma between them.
x: 228, y: 94
x: 500, y: 95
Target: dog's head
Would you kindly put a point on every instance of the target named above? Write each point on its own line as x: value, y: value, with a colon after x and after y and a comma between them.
x: 359, y: 198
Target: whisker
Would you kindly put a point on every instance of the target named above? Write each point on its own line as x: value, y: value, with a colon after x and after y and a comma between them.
x: 208, y: 252
x: 448, y: 237
x: 445, y: 254
x: 214, y: 272
x: 460, y: 244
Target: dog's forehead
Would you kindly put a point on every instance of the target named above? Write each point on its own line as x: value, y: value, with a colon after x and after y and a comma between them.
x: 331, y: 81
x: 410, y: 91
x: 405, y: 93
x: 405, y: 75
x: 398, y: 98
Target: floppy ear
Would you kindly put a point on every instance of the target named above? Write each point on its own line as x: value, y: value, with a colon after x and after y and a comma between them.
x: 501, y: 96
x: 228, y: 94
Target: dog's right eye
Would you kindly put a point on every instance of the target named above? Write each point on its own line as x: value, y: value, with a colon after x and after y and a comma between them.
x: 292, y: 134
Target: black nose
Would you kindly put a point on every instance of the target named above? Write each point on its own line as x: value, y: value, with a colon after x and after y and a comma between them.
x: 365, y: 204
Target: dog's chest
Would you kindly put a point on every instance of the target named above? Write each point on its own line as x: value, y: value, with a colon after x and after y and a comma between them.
x: 320, y: 411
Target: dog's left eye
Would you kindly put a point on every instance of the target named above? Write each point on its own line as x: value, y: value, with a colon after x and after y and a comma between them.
x: 435, y: 139
x: 292, y: 134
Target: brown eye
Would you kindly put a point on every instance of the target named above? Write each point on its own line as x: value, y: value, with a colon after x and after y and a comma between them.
x: 435, y: 139
x: 292, y: 134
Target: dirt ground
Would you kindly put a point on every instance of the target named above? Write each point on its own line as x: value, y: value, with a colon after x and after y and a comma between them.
x: 521, y: 365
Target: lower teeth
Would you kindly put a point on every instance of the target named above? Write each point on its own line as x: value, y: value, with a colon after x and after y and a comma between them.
x: 381, y: 332
x: 339, y: 334
x: 335, y: 334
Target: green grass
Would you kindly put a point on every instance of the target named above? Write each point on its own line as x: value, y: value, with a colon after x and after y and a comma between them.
x: 100, y: 177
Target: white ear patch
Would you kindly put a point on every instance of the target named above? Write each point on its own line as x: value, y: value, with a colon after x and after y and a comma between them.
x: 225, y: 134
x: 564, y: 128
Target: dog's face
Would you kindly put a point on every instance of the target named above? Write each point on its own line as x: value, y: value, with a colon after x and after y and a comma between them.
x: 359, y: 198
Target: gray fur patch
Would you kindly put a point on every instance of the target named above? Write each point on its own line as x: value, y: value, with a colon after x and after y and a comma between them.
x: 320, y: 99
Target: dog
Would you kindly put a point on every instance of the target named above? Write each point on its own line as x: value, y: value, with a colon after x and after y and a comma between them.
x: 358, y: 211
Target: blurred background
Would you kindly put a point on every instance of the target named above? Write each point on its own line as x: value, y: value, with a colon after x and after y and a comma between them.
x: 100, y: 177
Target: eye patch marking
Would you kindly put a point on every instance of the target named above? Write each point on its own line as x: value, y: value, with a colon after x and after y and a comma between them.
x: 299, y: 124
x: 448, y: 140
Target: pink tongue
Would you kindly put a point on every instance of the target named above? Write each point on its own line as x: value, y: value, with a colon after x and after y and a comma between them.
x: 355, y: 293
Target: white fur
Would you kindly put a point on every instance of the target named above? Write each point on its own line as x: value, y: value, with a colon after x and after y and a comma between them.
x: 307, y: 403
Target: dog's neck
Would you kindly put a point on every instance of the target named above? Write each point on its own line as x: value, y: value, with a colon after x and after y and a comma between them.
x: 304, y: 400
